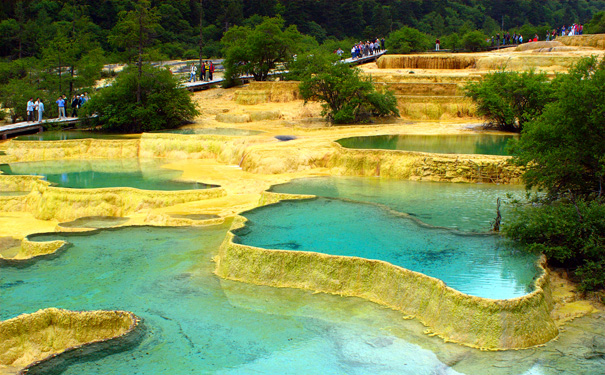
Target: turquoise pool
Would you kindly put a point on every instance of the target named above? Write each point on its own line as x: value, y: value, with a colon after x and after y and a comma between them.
x: 480, y: 265
x: 196, y: 323
x: 466, y: 207
x: 485, y: 144
x: 105, y: 173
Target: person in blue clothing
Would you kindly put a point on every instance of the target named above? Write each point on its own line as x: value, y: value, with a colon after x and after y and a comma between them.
x: 40, y: 109
x: 61, y: 105
x: 30, y: 110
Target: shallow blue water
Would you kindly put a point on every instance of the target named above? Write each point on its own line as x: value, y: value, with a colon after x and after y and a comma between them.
x: 466, y: 207
x: 485, y: 144
x: 105, y: 173
x: 480, y: 265
x: 199, y: 324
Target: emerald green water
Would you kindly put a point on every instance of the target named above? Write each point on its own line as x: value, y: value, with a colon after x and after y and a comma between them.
x: 105, y: 173
x: 479, y: 265
x: 64, y: 135
x: 485, y: 144
x: 466, y: 207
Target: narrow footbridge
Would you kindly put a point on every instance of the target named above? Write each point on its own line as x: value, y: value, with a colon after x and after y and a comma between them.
x: 202, y: 85
x: 29, y: 126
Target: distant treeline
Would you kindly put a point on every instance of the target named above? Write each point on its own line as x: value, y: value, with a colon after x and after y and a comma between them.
x: 27, y: 27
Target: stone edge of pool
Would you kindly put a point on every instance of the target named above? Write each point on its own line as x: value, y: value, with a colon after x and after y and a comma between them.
x: 72, y: 332
x: 256, y: 156
x: 477, y: 322
x: 47, y: 202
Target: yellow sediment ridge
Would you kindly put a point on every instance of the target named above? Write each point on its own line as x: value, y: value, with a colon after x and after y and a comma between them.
x: 473, y: 321
x: 31, y: 338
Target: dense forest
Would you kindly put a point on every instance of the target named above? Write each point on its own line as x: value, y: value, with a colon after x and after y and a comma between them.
x: 28, y: 27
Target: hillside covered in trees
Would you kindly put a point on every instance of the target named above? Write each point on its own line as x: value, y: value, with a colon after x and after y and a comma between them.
x: 27, y: 27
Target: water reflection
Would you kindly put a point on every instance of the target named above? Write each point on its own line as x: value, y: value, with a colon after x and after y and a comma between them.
x: 485, y: 144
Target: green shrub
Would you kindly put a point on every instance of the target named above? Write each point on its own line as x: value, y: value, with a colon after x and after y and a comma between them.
x: 474, y: 41
x: 571, y: 236
x: 163, y: 104
x: 596, y: 24
x: 408, y: 40
x: 347, y: 97
x: 562, y: 153
x: 509, y: 99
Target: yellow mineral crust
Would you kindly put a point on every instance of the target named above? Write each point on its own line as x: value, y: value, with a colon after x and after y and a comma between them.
x: 456, y: 317
x: 31, y: 338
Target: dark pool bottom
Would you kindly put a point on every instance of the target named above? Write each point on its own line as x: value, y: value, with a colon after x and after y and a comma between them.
x: 479, y: 265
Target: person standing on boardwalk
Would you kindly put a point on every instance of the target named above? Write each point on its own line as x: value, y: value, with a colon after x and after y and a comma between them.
x: 193, y: 73
x: 75, y: 105
x: 211, y: 70
x: 40, y: 109
x: 61, y: 105
x: 202, y: 71
x: 30, y: 109
x: 437, y: 43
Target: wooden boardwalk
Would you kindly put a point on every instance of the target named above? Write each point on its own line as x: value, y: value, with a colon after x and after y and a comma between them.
x: 202, y: 85
x: 28, y: 126
x: 23, y: 127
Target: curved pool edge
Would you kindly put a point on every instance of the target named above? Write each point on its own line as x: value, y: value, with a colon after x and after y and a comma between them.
x: 50, y: 334
x: 47, y: 202
x: 476, y: 322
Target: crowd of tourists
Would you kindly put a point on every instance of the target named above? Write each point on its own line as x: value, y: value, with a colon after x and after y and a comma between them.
x: 508, y: 39
x: 206, y: 72
x: 36, y: 109
x: 368, y: 48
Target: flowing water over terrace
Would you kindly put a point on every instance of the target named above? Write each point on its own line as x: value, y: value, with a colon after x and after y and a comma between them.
x: 484, y: 144
x: 105, y: 173
x: 466, y: 207
x: 479, y: 265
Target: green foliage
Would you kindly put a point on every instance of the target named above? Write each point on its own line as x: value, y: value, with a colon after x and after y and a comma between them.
x: 563, y: 148
x: 510, y: 99
x: 474, y: 41
x: 15, y: 94
x: 258, y: 51
x: 570, y: 235
x: 164, y: 105
x: 562, y: 152
x: 408, y: 40
x: 596, y: 24
x: 347, y: 97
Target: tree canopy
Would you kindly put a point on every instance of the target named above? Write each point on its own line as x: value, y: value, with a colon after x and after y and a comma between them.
x: 347, y: 97
x: 562, y: 151
x: 162, y: 105
x: 258, y: 50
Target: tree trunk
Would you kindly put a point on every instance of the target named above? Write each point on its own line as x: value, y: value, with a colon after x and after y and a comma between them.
x: 140, y: 62
x: 201, y: 42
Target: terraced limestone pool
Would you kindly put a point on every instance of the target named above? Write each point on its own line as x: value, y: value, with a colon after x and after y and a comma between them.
x: 484, y: 144
x: 196, y: 323
x: 105, y: 173
x: 64, y: 135
x: 480, y: 265
x: 466, y: 207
